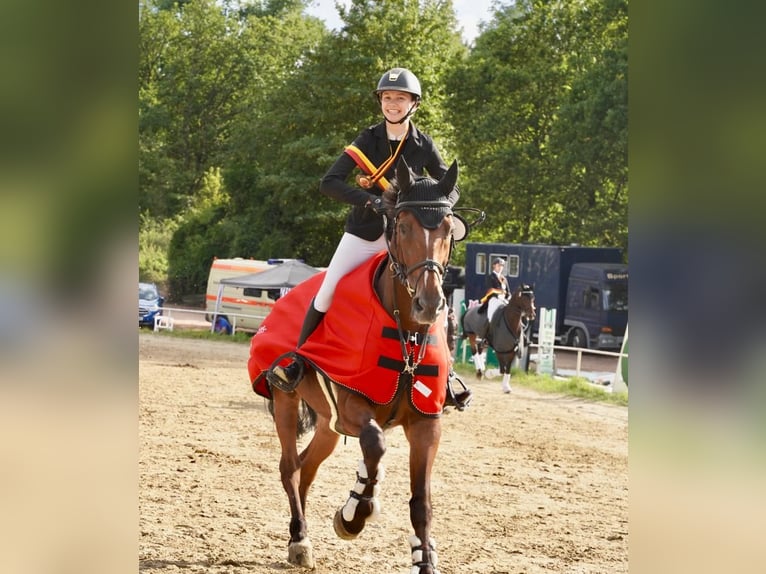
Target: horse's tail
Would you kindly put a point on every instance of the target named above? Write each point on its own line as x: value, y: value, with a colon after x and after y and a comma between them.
x: 307, y: 417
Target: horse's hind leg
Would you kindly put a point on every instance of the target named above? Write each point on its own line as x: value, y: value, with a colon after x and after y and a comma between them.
x: 478, y: 357
x: 474, y: 353
x: 321, y: 446
x: 286, y: 405
x: 363, y: 503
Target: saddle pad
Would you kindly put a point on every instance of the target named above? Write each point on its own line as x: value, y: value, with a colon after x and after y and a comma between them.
x: 356, y: 345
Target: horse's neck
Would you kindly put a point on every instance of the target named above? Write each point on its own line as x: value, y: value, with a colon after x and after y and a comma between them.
x: 513, y: 317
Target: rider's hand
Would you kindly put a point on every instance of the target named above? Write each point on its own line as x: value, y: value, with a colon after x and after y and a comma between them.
x: 376, y: 205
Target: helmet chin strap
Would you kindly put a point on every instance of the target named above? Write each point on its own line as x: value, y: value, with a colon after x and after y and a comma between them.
x: 411, y: 111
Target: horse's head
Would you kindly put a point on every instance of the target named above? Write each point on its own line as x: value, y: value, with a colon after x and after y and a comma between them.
x: 524, y: 297
x: 421, y: 237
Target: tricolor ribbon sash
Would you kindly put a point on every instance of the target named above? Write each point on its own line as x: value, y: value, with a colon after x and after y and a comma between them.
x: 374, y: 175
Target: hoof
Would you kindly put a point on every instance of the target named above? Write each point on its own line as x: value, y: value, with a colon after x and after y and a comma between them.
x: 340, y: 530
x: 478, y: 375
x: 301, y: 554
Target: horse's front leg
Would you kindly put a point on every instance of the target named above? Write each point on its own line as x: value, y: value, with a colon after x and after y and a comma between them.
x: 363, y: 503
x: 423, y: 436
x: 505, y: 369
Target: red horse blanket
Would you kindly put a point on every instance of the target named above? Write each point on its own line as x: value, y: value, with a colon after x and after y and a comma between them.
x: 356, y: 345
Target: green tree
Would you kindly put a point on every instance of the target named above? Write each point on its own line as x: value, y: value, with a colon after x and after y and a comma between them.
x: 193, y: 69
x: 204, y: 65
x: 590, y: 139
x: 321, y: 107
x: 154, y: 239
x: 200, y: 235
x: 517, y: 104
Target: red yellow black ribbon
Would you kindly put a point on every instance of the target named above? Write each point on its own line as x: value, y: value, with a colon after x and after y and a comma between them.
x: 374, y: 175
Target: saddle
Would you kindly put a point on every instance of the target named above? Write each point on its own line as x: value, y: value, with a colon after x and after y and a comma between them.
x: 357, y: 345
x: 502, y: 340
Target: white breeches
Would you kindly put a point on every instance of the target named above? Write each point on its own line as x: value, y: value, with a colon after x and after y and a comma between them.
x: 492, y: 306
x: 351, y: 252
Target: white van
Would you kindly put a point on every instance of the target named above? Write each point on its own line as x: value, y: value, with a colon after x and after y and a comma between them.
x: 242, y: 307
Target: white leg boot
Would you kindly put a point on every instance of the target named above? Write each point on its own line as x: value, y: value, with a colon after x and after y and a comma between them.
x: 506, y: 383
x: 478, y: 362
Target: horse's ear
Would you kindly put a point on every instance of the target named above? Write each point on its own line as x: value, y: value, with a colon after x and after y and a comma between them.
x: 448, y: 182
x: 403, y: 174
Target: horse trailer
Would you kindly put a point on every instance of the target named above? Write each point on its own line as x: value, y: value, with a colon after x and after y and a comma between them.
x: 588, y: 287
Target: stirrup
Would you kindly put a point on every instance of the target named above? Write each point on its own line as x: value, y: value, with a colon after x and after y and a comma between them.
x: 461, y: 400
x: 286, y: 378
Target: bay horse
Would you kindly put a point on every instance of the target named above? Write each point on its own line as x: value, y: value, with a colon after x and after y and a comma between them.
x: 504, y: 333
x: 421, y: 230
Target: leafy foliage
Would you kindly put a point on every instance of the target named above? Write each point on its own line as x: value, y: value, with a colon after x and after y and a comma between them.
x: 243, y: 106
x: 296, y: 134
x: 540, y: 109
x: 154, y: 239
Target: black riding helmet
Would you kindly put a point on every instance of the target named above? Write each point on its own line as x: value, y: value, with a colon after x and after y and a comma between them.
x: 401, y: 80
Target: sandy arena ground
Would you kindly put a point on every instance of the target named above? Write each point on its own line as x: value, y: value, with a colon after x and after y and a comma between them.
x: 523, y: 483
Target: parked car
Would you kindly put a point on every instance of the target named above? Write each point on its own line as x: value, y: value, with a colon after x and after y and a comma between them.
x: 149, y: 304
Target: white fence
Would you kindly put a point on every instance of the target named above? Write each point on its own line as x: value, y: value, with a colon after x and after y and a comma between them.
x: 169, y: 320
x: 580, y: 351
x: 179, y: 317
x: 616, y: 383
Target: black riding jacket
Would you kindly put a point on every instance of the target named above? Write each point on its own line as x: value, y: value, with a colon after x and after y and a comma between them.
x: 493, y: 282
x: 421, y: 156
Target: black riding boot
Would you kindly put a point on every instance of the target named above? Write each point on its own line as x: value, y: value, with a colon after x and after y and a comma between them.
x: 291, y: 374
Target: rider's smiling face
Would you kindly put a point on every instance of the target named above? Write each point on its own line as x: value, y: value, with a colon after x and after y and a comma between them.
x: 395, y: 104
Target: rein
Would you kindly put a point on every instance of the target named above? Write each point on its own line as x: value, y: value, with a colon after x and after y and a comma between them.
x: 408, y: 357
x: 399, y: 271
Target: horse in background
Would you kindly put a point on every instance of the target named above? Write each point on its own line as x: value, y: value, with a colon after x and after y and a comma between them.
x: 504, y: 332
x: 421, y: 232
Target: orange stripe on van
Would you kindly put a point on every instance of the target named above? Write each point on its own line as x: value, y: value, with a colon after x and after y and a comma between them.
x: 239, y: 301
x: 232, y: 267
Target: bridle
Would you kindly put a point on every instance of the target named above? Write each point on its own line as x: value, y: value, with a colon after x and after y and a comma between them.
x: 411, y: 357
x: 401, y: 271
x: 523, y: 313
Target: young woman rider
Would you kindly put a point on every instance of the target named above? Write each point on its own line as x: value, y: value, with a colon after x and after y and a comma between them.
x: 375, y: 152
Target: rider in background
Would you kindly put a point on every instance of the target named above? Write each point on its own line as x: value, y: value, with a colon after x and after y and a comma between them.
x: 498, y: 291
x: 375, y: 152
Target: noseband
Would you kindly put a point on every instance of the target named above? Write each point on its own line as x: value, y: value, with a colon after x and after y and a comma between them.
x: 400, y: 270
